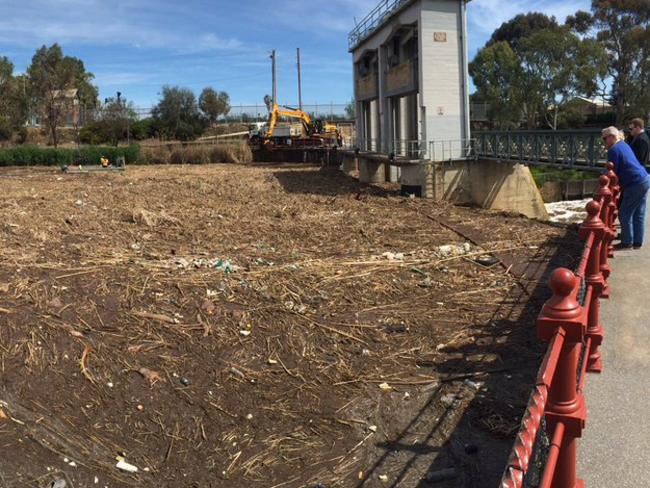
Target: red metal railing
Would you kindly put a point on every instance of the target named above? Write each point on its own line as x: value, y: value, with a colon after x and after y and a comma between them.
x: 570, y: 322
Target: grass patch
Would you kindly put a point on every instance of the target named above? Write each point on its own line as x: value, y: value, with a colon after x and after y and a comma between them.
x: 544, y: 174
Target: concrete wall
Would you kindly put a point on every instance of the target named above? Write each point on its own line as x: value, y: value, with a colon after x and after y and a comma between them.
x: 440, y: 107
x: 489, y: 184
x: 492, y: 184
x: 442, y: 71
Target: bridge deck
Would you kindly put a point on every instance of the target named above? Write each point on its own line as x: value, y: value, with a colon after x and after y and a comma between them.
x: 615, y: 449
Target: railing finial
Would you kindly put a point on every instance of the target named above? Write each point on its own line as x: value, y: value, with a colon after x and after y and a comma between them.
x: 563, y: 283
x: 593, y: 210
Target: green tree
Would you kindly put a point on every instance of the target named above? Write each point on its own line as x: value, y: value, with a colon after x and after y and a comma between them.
x: 12, y: 100
x: 351, y: 109
x: 558, y: 66
x: 623, y: 28
x: 497, y: 74
x: 117, y: 115
x: 142, y: 129
x: 520, y: 27
x: 581, y: 22
x: 214, y: 104
x: 177, y: 114
x: 52, y: 79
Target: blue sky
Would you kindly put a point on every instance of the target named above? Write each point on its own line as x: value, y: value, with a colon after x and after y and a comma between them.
x: 136, y: 46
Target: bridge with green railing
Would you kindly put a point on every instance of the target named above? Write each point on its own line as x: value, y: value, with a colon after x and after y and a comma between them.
x: 579, y: 148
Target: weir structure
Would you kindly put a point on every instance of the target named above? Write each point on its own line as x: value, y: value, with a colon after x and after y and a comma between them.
x: 412, y: 110
x: 411, y: 77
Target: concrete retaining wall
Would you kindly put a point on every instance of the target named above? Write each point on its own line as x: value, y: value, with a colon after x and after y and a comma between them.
x: 490, y: 184
x: 556, y: 191
x: 499, y: 186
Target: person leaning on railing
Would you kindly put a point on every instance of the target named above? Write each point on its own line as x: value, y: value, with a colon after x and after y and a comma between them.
x: 635, y: 183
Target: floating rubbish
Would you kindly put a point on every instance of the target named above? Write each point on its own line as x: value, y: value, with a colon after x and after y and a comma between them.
x: 153, y: 376
x: 226, y: 266
x: 124, y: 466
x: 58, y: 483
x: 487, y: 261
x: 449, y: 399
x: 245, y: 333
x: 473, y: 384
x: 221, y: 264
x: 449, y: 250
x: 393, y: 256
x: 419, y: 271
x: 235, y: 371
x: 185, y: 382
x: 385, y: 387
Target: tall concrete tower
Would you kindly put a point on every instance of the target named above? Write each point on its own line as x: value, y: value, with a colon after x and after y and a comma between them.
x: 410, y: 77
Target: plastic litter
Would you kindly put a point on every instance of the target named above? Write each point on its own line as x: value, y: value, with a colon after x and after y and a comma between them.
x: 124, y: 466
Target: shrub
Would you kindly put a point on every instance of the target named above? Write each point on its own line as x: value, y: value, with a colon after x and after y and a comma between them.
x: 48, y: 156
x: 197, y: 155
x: 5, y: 129
x: 155, y: 155
x: 237, y: 153
x: 142, y: 129
x: 177, y: 156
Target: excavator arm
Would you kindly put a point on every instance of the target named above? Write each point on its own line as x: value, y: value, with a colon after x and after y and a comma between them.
x: 277, y: 111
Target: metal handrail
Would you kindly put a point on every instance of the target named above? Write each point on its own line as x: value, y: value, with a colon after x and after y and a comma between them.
x: 371, y: 21
x: 572, y: 315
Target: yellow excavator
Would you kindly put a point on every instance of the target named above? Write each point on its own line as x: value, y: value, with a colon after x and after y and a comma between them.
x: 313, y: 134
x: 309, y: 127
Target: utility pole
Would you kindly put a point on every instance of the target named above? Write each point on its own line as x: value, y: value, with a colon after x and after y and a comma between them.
x: 299, y: 81
x: 126, y: 116
x: 274, y: 93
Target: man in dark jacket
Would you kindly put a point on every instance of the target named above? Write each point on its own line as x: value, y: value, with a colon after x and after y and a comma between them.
x: 640, y: 142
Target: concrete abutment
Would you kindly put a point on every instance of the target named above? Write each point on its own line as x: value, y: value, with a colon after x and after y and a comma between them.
x: 495, y: 185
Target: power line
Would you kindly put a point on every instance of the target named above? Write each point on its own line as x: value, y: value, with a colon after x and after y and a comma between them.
x: 206, y: 82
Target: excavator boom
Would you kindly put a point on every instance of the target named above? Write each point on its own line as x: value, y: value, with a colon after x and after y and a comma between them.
x: 278, y: 111
x: 314, y: 133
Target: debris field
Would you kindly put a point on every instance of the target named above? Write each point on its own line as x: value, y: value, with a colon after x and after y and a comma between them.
x: 261, y: 326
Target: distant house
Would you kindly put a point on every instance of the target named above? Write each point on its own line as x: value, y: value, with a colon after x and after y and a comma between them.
x: 75, y: 113
x: 591, y: 106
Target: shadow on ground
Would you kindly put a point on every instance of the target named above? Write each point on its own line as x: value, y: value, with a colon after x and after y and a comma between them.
x: 318, y: 181
x: 462, y: 436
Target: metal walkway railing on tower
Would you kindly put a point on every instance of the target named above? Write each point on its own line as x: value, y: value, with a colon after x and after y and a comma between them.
x: 373, y: 20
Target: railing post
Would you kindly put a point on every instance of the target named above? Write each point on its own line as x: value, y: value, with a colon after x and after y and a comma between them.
x: 594, y: 278
x: 604, y: 194
x: 616, y: 195
x: 566, y: 408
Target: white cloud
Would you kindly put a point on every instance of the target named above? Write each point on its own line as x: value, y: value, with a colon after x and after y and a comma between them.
x: 121, y: 78
x: 95, y: 23
x: 334, y: 17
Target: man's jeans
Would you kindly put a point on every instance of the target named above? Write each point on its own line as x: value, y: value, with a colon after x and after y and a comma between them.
x: 632, y: 213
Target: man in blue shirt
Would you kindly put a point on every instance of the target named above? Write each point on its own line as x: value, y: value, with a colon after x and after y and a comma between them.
x: 635, y: 183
